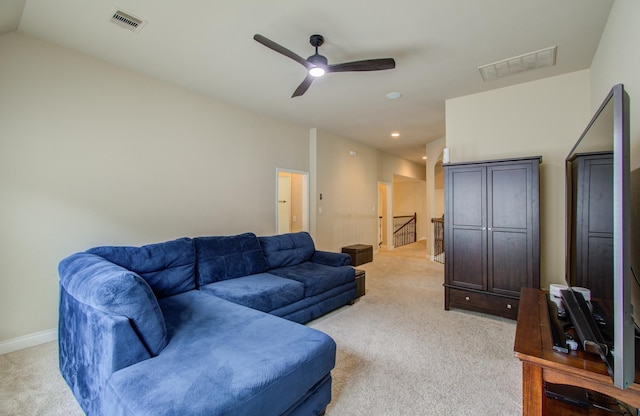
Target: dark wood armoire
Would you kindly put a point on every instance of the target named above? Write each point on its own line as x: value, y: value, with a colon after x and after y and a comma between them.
x: 492, y: 234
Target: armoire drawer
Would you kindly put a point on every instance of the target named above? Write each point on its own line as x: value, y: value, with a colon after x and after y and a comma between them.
x: 483, y: 302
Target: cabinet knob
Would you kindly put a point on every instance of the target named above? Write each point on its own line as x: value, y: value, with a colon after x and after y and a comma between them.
x: 466, y: 298
x: 508, y: 306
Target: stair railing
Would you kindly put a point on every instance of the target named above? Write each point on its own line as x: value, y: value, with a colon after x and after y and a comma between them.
x: 404, y: 231
x: 438, y: 239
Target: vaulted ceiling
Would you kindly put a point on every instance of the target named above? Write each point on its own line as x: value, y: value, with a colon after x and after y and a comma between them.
x: 438, y: 45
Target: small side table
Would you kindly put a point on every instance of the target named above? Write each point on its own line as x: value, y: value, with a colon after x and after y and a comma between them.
x: 360, y: 283
x: 360, y: 253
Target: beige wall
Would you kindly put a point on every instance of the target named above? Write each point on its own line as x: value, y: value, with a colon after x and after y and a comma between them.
x: 438, y: 173
x: 92, y: 154
x: 297, y: 181
x: 382, y: 213
x: 435, y: 184
x: 349, y: 189
x: 409, y: 197
x: 395, y: 166
x: 617, y: 61
x: 543, y: 118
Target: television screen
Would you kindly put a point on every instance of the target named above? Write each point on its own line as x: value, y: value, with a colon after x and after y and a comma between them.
x: 599, y: 229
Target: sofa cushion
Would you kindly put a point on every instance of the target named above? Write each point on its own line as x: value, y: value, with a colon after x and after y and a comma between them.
x: 287, y: 249
x: 314, y: 306
x: 223, y: 359
x: 317, y: 278
x: 264, y: 292
x: 168, y: 267
x: 111, y: 289
x: 228, y: 257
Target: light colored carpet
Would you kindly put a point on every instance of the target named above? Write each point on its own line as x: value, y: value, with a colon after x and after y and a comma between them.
x: 31, y: 384
x: 399, y: 353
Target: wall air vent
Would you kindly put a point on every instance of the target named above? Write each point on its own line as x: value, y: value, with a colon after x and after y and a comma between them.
x: 127, y: 21
x: 526, y: 62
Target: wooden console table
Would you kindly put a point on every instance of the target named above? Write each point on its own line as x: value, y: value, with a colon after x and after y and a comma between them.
x: 540, y: 363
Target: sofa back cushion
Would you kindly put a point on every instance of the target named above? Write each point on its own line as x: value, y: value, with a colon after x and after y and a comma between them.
x: 112, y: 289
x: 169, y: 267
x: 228, y: 257
x: 287, y: 249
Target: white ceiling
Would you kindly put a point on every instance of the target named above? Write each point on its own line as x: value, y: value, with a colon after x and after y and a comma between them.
x: 208, y: 46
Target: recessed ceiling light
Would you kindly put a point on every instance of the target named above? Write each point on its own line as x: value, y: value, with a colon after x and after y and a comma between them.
x: 393, y: 95
x: 395, y: 134
x: 424, y: 158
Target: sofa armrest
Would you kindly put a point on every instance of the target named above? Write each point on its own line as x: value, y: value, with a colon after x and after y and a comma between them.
x: 106, y: 287
x: 329, y: 258
x: 92, y: 345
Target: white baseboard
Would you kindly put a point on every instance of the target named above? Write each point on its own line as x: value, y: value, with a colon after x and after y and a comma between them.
x: 27, y: 341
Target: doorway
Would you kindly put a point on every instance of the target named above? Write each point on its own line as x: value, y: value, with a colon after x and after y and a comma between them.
x: 292, y: 201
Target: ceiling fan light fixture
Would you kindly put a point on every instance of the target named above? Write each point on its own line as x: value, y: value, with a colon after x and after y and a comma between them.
x: 317, y: 71
x: 317, y: 65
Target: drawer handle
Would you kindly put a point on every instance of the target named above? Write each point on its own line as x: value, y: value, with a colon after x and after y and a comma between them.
x: 466, y: 298
x: 508, y: 306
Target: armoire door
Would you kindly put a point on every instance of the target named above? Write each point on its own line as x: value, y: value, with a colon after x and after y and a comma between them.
x: 510, y: 236
x: 466, y: 228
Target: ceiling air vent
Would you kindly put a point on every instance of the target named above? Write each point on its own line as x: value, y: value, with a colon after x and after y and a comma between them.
x: 526, y: 62
x: 127, y: 21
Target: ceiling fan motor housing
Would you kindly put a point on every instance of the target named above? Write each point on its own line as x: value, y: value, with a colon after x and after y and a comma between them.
x: 316, y: 40
x: 317, y: 60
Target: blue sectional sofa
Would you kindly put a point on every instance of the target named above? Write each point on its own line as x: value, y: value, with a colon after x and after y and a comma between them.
x: 195, y: 326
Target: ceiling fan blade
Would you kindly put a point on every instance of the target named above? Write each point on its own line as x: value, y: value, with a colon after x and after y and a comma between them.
x: 366, y: 65
x: 303, y: 87
x: 281, y: 49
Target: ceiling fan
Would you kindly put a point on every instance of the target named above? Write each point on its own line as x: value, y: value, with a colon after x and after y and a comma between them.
x: 317, y: 65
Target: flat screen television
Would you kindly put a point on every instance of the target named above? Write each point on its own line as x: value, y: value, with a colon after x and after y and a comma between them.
x: 600, y: 229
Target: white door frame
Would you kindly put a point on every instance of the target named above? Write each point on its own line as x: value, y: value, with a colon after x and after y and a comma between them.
x: 304, y: 197
x: 285, y: 216
x: 388, y: 221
